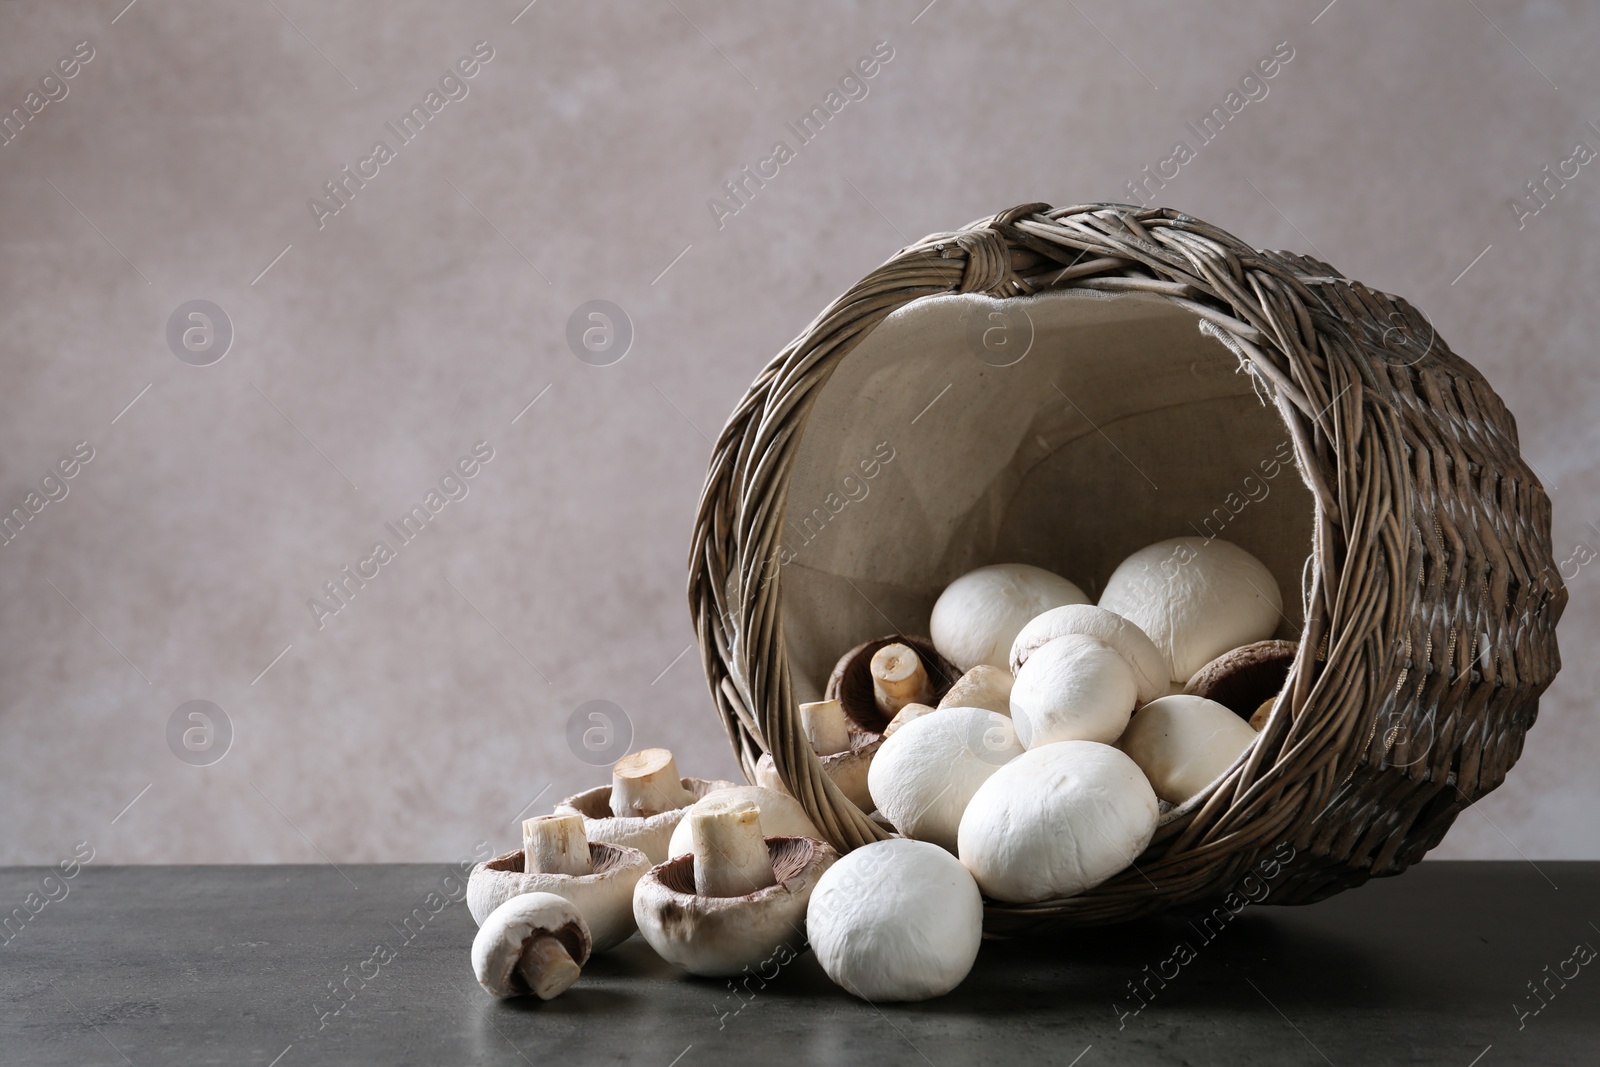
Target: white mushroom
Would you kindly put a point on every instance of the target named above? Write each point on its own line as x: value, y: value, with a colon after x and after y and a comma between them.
x: 848, y: 769
x: 896, y: 920
x: 1055, y: 821
x: 1184, y: 743
x: 824, y: 723
x: 640, y: 782
x: 556, y: 844
x: 981, y: 687
x: 1076, y: 688
x: 1196, y: 599
x: 533, y: 943
x: 597, y: 877
x: 924, y: 775
x: 767, y: 883
x: 1132, y: 643
x: 979, y: 614
x: 646, y: 783
x: 825, y: 726
x: 1263, y: 712
x: 906, y: 714
x: 781, y: 816
x: 767, y: 776
x: 898, y: 678
x: 877, y: 678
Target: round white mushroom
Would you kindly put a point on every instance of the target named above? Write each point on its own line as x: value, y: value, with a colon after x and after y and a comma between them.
x: 896, y: 920
x: 1196, y: 599
x: 1076, y: 688
x: 1184, y: 743
x: 979, y: 614
x: 1132, y: 643
x: 1057, y: 820
x: 927, y: 770
x: 981, y: 687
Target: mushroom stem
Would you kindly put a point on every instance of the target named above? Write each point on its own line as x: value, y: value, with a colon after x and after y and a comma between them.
x: 1258, y: 721
x: 555, y: 844
x: 899, y: 678
x: 730, y: 853
x: 547, y: 967
x: 646, y: 783
x: 825, y: 726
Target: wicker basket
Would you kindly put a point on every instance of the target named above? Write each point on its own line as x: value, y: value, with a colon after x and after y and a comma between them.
x: 1417, y: 536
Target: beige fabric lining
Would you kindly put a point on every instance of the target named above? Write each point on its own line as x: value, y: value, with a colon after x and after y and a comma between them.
x: 1123, y: 425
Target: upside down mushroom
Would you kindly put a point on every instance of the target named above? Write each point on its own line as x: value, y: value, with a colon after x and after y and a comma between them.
x: 736, y: 899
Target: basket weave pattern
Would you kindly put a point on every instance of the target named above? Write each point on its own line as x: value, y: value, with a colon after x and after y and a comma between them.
x: 1432, y: 595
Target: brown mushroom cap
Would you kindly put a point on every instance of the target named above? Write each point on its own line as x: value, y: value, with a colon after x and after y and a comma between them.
x: 649, y: 834
x: 851, y: 681
x: 604, y: 895
x: 1242, y: 678
x: 716, y: 936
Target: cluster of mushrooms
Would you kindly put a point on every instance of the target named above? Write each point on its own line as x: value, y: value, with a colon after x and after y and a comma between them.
x: 1025, y: 752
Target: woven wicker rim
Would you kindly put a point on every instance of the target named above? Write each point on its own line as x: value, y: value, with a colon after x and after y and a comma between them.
x: 1432, y: 592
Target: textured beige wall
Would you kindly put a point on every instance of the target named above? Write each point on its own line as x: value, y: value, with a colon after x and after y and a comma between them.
x: 427, y: 313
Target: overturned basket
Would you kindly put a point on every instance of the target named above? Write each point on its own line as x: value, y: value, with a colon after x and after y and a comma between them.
x: 1034, y: 388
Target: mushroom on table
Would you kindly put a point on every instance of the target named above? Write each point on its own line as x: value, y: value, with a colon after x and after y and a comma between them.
x: 896, y: 920
x: 642, y: 805
x: 533, y: 943
x: 781, y: 816
x: 557, y: 857
x: 736, y: 899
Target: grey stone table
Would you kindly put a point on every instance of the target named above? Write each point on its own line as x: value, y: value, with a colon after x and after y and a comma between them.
x: 1454, y: 963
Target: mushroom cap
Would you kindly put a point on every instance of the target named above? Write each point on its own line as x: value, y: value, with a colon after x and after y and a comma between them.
x: 978, y: 615
x: 981, y: 687
x: 851, y: 681
x: 604, y: 895
x: 1195, y: 599
x: 1183, y: 743
x: 1057, y: 820
x: 927, y: 771
x: 896, y: 920
x: 649, y: 834
x: 781, y: 816
x: 767, y: 777
x: 1075, y: 688
x: 1241, y: 678
x: 499, y: 942
x: 849, y: 769
x: 1133, y: 644
x: 715, y: 936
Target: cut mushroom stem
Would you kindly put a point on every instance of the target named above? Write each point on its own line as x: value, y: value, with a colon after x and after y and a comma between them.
x: 826, y: 727
x: 547, y: 967
x: 899, y: 678
x: 646, y: 783
x: 555, y: 844
x: 730, y: 854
